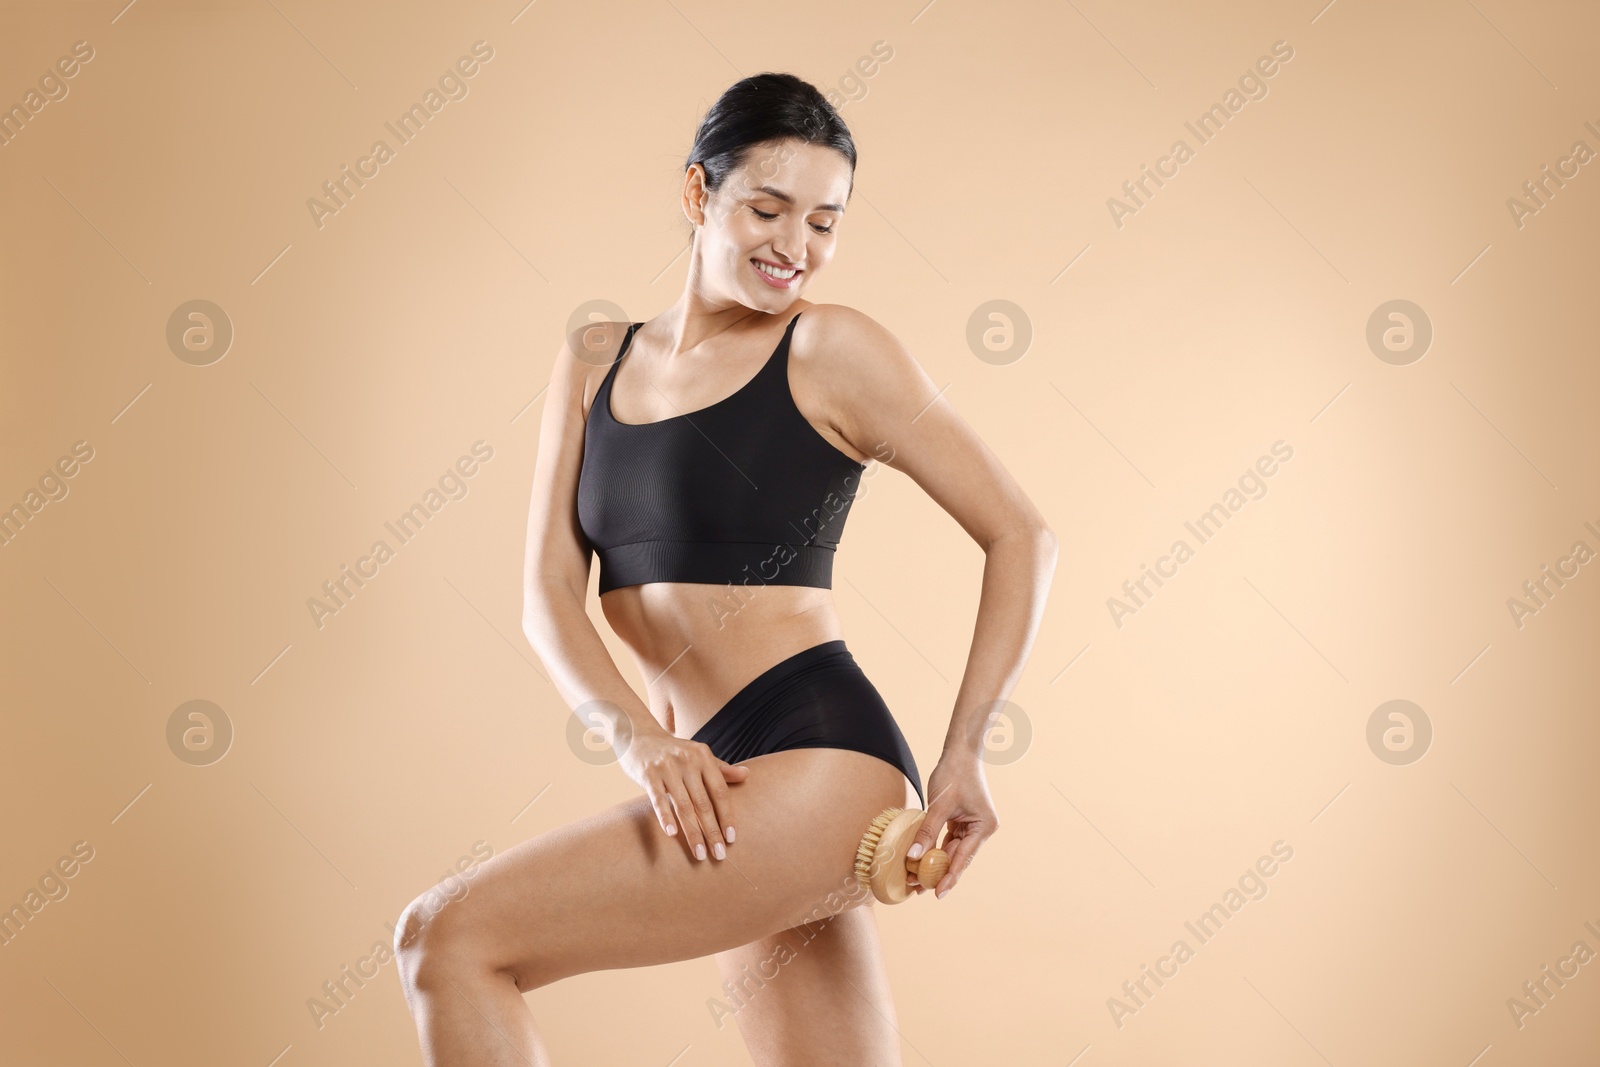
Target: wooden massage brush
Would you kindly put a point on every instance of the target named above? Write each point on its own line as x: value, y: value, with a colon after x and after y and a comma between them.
x: 881, y: 865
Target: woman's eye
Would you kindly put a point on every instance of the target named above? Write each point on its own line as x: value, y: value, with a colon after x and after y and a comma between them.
x: 766, y: 217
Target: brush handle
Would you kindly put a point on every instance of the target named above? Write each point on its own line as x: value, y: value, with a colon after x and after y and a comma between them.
x: 889, y: 873
x: 929, y: 867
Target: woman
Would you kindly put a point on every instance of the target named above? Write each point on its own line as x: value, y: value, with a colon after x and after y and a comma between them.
x: 712, y: 470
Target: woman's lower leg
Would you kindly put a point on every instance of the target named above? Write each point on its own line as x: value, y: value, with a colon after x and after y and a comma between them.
x: 468, y: 1015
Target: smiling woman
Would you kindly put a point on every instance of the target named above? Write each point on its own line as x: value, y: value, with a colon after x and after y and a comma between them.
x: 712, y: 453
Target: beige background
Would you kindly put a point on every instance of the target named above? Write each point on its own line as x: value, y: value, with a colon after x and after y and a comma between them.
x: 1166, y: 754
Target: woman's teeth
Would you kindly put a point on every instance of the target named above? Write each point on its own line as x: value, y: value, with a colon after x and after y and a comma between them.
x: 781, y: 275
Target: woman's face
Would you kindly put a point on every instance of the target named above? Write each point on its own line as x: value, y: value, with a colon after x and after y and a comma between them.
x: 773, y: 224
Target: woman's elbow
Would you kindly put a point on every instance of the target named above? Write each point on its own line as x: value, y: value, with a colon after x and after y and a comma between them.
x: 1055, y: 548
x: 1035, y: 531
x: 1049, y: 548
x: 533, y: 627
x: 537, y: 612
x: 1033, y: 540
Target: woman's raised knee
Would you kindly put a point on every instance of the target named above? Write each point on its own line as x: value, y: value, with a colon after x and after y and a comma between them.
x: 438, y: 937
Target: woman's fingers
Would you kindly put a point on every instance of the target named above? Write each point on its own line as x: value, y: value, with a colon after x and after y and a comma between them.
x: 693, y: 839
x: 710, y: 826
x: 722, y: 798
x: 960, y: 806
x: 961, y: 853
x: 731, y: 773
x: 702, y: 830
x: 928, y: 833
x: 688, y: 788
x: 662, y: 803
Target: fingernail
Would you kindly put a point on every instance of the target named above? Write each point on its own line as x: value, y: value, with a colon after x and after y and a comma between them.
x: 718, y: 851
x: 730, y: 833
x: 916, y: 850
x: 672, y: 828
x: 700, y: 851
x: 940, y: 894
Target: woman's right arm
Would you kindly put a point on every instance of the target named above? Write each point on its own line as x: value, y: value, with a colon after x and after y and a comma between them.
x: 555, y: 574
x: 675, y: 772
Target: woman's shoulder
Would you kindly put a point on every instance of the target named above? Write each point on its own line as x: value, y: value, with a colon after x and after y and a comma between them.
x: 838, y: 328
x: 596, y: 344
x: 844, y: 362
x: 586, y: 357
x: 839, y: 336
x: 838, y: 317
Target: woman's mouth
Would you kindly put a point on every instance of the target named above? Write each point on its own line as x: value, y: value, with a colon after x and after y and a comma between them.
x: 776, y: 276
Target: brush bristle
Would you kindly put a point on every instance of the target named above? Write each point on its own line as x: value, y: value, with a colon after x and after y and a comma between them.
x: 869, y: 844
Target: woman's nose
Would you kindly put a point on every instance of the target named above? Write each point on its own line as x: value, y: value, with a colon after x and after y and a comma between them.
x: 787, y: 246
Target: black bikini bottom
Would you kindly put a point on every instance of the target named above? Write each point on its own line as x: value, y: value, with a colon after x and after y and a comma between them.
x: 817, y: 698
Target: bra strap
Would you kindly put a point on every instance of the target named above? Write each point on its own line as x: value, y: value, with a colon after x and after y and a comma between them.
x: 627, y: 340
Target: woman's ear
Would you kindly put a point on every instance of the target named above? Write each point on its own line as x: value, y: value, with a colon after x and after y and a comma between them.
x: 695, y: 195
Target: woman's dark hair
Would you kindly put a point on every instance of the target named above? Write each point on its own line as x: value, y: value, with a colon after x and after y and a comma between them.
x: 759, y: 109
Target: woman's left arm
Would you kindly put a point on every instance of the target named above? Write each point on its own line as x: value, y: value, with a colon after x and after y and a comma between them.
x: 886, y: 406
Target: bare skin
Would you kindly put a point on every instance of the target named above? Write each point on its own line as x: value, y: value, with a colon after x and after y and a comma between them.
x: 750, y: 862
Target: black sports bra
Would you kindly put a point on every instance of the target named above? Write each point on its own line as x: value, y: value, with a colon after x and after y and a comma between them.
x: 743, y: 491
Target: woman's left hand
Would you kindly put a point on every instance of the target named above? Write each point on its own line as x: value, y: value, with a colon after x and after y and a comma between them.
x: 960, y: 800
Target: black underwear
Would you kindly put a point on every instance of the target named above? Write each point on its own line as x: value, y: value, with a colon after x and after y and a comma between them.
x: 817, y: 698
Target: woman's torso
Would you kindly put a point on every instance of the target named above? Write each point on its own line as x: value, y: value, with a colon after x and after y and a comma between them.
x: 696, y: 644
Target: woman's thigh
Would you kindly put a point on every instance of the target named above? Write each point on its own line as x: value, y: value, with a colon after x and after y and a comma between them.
x: 778, y: 988
x: 613, y: 890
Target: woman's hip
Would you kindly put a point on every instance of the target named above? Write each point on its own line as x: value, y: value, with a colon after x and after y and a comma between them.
x: 817, y: 698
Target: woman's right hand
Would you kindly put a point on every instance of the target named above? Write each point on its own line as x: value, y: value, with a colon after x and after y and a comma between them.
x: 687, y: 786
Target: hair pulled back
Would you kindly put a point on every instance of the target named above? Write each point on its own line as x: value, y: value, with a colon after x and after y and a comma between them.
x: 760, y: 109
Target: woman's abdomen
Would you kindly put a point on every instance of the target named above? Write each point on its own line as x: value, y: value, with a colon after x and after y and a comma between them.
x: 698, y: 645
